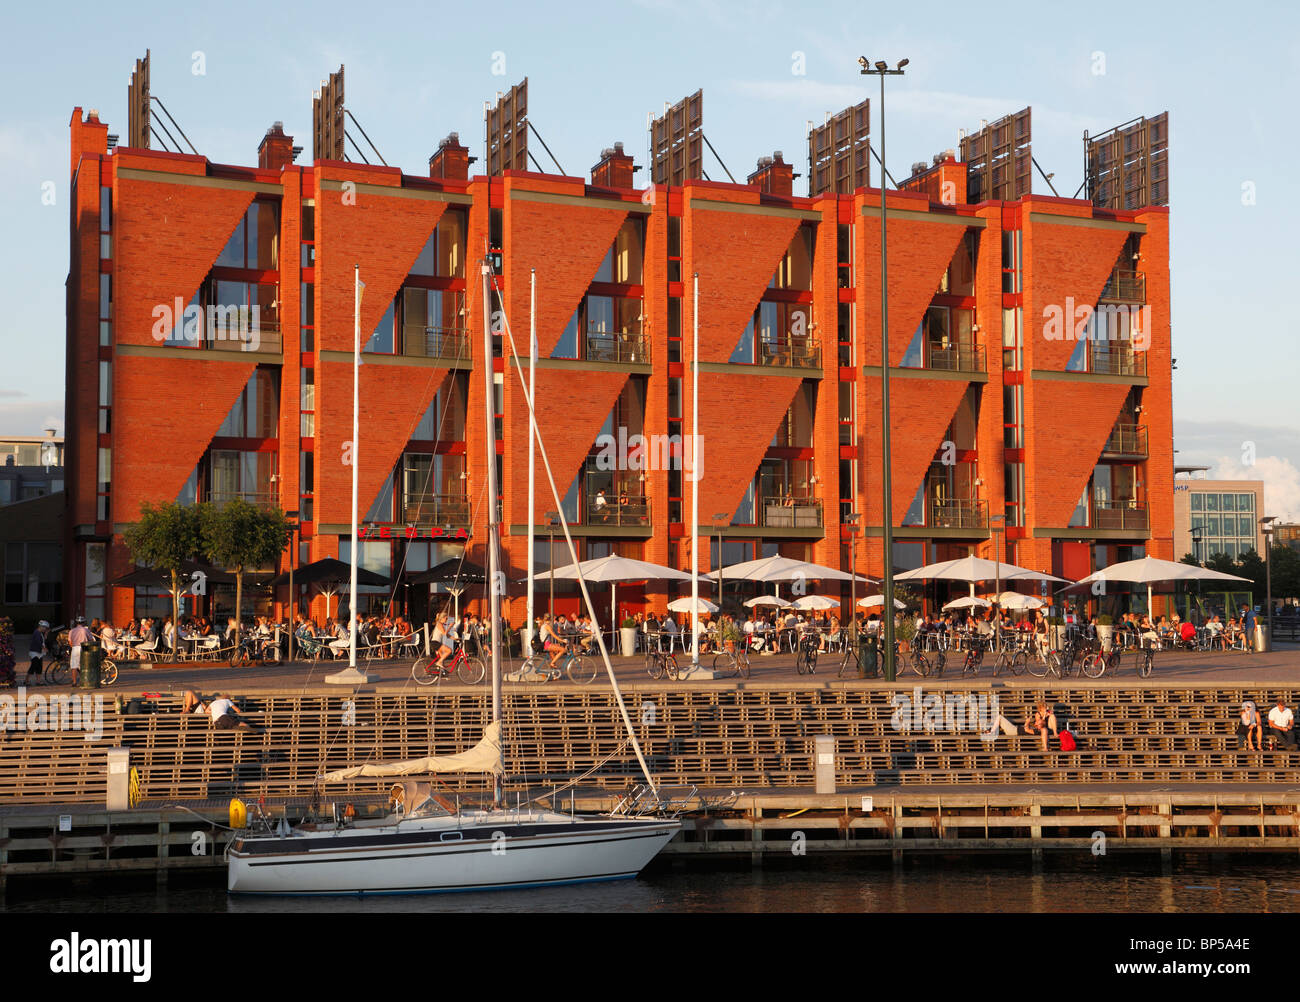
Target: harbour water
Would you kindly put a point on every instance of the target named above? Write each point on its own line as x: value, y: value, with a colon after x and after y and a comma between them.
x: 957, y: 884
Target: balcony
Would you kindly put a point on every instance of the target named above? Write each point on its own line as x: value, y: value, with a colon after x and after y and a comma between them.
x: 436, y: 342
x: 959, y: 513
x: 266, y: 500
x: 790, y: 513
x: 1125, y: 515
x: 436, y: 509
x: 1129, y: 440
x: 955, y: 357
x: 625, y: 511
x: 1125, y: 286
x: 803, y: 354
x: 604, y: 346
x: 1108, y: 358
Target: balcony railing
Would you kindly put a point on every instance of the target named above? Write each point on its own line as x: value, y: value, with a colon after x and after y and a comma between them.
x: 604, y: 346
x: 265, y: 500
x: 790, y: 513
x: 959, y: 513
x: 1119, y: 362
x: 436, y: 509
x: 436, y: 342
x: 1127, y: 440
x: 794, y: 354
x: 1125, y: 286
x: 1119, y: 515
x: 620, y: 511
x: 956, y: 358
x: 265, y: 338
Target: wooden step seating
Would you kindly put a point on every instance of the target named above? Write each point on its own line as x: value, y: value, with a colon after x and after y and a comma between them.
x: 717, y: 737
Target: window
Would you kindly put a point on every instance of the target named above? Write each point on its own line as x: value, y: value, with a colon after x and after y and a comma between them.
x: 1011, y: 250
x: 307, y: 403
x: 1012, y: 339
x: 105, y: 396
x: 306, y: 485
x: 622, y: 262
x: 796, y: 428
x: 239, y: 474
x: 308, y: 236
x: 105, y: 223
x: 1013, y: 416
x: 674, y: 249
x: 255, y: 240
x: 104, y: 478
x: 845, y: 252
x: 256, y: 411
x: 95, y: 580
x: 307, y: 315
x: 846, y: 413
x: 675, y: 329
x: 443, y: 255
x: 844, y: 333
x: 33, y: 574
x: 795, y: 269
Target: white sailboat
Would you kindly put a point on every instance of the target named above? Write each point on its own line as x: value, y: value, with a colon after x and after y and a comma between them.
x: 427, y: 844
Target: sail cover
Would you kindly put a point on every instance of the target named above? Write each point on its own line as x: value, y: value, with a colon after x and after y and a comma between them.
x: 483, y: 757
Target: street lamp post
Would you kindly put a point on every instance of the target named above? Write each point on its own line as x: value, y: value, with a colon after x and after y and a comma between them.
x: 995, y: 524
x: 719, y: 523
x: 294, y: 525
x: 851, y: 518
x: 1265, y: 524
x: 552, y: 520
x: 881, y: 69
x: 1196, y: 542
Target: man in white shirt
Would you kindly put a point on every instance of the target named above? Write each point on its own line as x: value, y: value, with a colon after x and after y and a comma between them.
x: 225, y: 717
x: 78, y: 635
x: 1281, y: 724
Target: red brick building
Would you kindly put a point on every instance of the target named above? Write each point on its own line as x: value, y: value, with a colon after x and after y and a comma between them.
x: 999, y: 407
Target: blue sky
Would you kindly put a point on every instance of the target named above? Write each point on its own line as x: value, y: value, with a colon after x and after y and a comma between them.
x: 1227, y: 75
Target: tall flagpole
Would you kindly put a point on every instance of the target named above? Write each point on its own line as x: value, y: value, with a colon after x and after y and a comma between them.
x: 352, y: 675
x: 695, y: 478
x: 532, y: 447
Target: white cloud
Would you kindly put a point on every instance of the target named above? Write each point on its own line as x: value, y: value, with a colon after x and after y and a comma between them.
x: 1281, y: 482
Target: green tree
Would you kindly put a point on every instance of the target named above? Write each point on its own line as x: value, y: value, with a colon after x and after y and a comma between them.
x: 238, y: 536
x: 166, y: 536
x: 1285, y: 570
x: 1251, y: 565
x: 1189, y: 559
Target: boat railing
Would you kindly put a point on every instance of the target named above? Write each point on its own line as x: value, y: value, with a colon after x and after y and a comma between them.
x: 642, y: 801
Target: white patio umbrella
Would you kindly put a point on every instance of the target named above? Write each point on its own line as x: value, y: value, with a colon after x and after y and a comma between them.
x: 815, y: 602
x: 778, y: 569
x: 683, y: 604
x: 974, y: 569
x: 1151, y: 571
x: 872, y: 601
x: 1015, y: 600
x: 968, y: 602
x: 613, y: 569
x: 775, y: 600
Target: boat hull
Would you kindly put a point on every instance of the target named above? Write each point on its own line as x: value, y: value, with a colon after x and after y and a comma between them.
x: 441, y: 855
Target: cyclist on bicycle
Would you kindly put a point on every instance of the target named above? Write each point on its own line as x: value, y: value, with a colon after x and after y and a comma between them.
x: 444, y: 635
x: 552, y: 643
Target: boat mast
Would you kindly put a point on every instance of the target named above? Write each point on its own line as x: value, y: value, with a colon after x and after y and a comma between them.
x: 356, y: 401
x: 532, y: 448
x: 494, y: 588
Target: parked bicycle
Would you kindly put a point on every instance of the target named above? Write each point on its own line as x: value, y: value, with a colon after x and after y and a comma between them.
x: 732, y: 663
x: 659, y: 664
x: 975, y: 646
x: 929, y: 653
x: 805, y: 660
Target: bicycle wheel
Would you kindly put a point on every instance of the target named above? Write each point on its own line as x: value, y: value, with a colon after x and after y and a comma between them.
x: 1093, y: 666
x: 811, y: 659
x: 470, y: 671
x: 107, y: 673
x: 581, y: 670
x: 654, y: 665
x: 1038, y: 667
x: 1019, y: 663
x: 58, y: 673
x: 421, y: 673
x: 671, y: 668
x: 742, y: 663
x: 1145, y: 663
x: 724, y: 664
x: 919, y: 664
x: 799, y: 665
x: 845, y: 661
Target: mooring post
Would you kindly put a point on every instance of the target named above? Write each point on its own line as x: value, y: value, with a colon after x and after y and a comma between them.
x: 1036, y: 837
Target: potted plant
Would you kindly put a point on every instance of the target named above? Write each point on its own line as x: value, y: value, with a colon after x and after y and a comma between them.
x: 627, y: 636
x: 731, y: 634
x: 1105, y: 627
x: 905, y: 632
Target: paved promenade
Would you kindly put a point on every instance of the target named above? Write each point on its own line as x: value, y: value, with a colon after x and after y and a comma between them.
x: 1182, y: 667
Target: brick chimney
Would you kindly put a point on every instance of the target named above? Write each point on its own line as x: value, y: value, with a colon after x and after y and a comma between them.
x: 88, y: 136
x: 773, y: 176
x: 614, y: 170
x: 452, y: 160
x: 276, y: 150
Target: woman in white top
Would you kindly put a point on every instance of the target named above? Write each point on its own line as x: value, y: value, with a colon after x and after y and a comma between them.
x: 1249, y: 727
